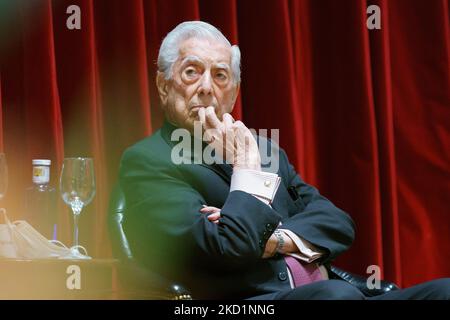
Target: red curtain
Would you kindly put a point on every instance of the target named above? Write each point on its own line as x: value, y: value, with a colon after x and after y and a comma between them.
x: 363, y: 114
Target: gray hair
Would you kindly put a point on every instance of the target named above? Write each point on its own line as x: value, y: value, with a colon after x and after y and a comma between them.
x: 169, y: 51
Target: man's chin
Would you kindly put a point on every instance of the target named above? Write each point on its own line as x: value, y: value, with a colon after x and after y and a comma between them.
x: 188, y: 124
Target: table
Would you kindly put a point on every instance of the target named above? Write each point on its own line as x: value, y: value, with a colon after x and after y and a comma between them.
x: 57, y: 279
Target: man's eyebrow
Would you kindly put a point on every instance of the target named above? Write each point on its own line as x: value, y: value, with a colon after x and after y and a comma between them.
x: 195, y: 59
x: 222, y: 65
x: 191, y: 59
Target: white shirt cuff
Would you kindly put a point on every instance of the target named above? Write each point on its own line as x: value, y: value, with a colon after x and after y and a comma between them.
x: 263, y: 185
x: 307, y: 251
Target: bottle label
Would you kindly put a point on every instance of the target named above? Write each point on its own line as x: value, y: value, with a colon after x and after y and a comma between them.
x: 41, y: 174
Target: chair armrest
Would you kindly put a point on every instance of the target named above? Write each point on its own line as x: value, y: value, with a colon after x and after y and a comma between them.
x: 137, y: 282
x: 361, y: 282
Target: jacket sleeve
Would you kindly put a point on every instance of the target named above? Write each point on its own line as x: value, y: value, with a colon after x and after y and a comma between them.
x: 318, y: 220
x: 163, y: 221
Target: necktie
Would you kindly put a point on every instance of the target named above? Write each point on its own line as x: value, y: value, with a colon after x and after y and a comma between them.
x: 302, y: 273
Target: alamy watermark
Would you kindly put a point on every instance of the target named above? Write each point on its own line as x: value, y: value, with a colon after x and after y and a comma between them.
x: 374, y: 280
x: 374, y: 20
x: 73, y: 21
x: 73, y: 281
x: 190, y: 150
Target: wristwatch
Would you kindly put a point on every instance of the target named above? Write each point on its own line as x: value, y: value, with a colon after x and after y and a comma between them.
x: 280, y: 239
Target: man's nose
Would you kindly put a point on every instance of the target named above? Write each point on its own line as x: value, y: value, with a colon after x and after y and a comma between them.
x: 205, y: 86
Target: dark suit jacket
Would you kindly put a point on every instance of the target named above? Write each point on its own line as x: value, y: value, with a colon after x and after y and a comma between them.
x: 168, y: 234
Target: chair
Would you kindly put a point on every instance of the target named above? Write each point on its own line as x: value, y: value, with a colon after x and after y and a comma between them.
x: 140, y: 282
x: 135, y: 281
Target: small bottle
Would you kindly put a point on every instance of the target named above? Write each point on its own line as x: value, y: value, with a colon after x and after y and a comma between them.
x: 40, y: 201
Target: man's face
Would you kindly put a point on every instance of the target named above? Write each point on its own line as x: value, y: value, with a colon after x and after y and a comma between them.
x: 201, y: 77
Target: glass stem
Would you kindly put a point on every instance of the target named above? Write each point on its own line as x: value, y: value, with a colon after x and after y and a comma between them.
x: 77, y: 206
x: 75, y: 228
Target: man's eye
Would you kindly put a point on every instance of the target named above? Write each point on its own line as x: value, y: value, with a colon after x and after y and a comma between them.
x: 191, y: 72
x: 221, y: 76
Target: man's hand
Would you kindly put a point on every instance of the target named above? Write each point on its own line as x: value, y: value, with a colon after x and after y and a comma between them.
x: 231, y: 138
x: 247, y: 152
x: 213, y: 213
x: 271, y: 247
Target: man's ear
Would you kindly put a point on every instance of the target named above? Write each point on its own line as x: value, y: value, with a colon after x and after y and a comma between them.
x: 162, y: 85
x: 236, y: 92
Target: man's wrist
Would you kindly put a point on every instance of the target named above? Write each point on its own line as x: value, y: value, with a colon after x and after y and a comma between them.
x: 271, y: 247
x: 280, y: 241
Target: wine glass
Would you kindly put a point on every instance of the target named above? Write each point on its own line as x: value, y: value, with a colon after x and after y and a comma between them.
x: 77, y: 187
x: 3, y: 175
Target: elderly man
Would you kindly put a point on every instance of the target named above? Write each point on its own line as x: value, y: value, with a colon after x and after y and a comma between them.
x: 229, y: 229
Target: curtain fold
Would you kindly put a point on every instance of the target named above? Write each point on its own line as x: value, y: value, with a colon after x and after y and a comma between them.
x: 272, y: 85
x: 420, y: 64
x: 382, y: 95
x: 363, y: 114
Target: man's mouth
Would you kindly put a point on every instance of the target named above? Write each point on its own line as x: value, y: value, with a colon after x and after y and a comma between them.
x: 194, y: 111
x: 197, y: 107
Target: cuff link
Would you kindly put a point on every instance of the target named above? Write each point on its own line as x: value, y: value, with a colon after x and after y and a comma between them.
x: 267, y: 183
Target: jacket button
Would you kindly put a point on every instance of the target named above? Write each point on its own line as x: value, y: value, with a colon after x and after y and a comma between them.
x: 269, y: 227
x: 282, y: 276
x: 261, y: 244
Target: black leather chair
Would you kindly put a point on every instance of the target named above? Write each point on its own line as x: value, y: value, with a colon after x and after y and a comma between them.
x: 135, y: 281
x: 138, y: 282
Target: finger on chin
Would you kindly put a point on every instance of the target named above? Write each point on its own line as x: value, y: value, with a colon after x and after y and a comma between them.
x: 211, y: 118
x: 201, y: 115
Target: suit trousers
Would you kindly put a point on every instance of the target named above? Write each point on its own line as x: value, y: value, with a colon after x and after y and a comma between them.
x: 341, y: 290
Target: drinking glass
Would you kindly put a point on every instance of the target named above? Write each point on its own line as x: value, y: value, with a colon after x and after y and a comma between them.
x: 77, y: 187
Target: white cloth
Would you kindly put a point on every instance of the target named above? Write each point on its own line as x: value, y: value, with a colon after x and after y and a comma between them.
x: 19, y: 239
